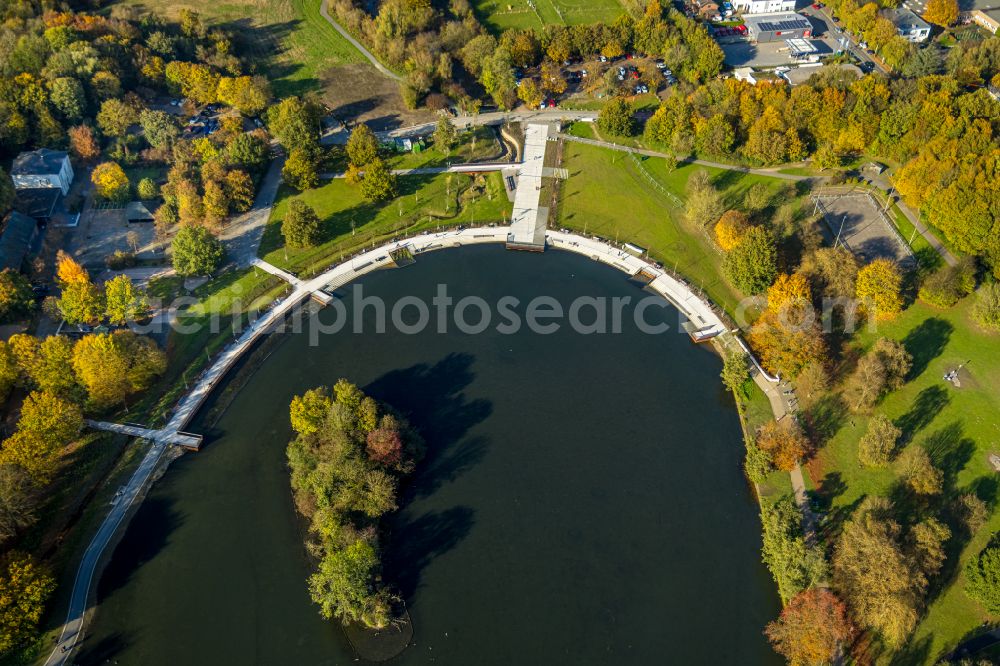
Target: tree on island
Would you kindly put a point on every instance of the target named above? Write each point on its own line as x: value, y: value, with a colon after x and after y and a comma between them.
x: 345, y: 467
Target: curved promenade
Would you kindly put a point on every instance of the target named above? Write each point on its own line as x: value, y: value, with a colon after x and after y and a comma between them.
x: 693, y: 307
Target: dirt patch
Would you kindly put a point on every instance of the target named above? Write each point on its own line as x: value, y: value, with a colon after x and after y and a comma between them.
x: 361, y: 93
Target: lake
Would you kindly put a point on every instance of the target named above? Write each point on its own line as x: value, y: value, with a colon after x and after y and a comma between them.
x: 581, y: 502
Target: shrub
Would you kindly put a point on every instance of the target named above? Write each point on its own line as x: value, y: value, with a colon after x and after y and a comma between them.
x: 950, y: 284
x: 147, y: 189
x: 982, y: 579
x: 986, y: 311
x: 120, y: 259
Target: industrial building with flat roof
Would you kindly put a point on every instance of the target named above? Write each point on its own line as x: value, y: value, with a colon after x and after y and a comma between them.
x: 777, y: 26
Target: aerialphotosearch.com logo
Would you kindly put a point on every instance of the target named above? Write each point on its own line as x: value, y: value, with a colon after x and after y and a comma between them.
x: 359, y: 313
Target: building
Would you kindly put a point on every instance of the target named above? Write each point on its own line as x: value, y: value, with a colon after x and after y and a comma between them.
x: 799, y: 75
x: 42, y: 168
x: 763, y: 6
x: 777, y: 26
x: 15, y: 240
x: 988, y: 19
x: 909, y: 25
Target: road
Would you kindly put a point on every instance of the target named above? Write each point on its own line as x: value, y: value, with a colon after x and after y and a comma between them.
x: 356, y: 44
x: 833, y: 34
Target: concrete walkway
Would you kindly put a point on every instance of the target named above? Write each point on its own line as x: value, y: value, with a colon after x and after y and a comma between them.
x: 356, y: 44
x: 482, y: 167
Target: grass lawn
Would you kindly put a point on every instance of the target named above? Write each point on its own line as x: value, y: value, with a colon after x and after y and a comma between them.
x: 499, y: 15
x: 349, y: 223
x: 608, y: 194
x: 288, y: 38
x: 479, y: 144
x: 959, y: 427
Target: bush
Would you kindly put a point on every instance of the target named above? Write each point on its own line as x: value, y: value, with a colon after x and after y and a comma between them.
x: 950, y: 284
x: 986, y: 311
x: 982, y: 579
x: 120, y: 259
x: 147, y: 189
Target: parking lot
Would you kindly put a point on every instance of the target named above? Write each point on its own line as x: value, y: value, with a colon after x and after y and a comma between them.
x: 859, y: 224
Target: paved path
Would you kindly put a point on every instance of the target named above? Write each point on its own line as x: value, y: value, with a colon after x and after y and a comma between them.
x: 356, y: 44
x: 528, y: 219
x: 241, y: 237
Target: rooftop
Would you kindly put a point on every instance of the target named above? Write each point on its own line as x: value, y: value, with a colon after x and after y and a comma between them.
x: 906, y: 20
x: 778, y: 21
x: 41, y: 161
x: 14, y: 240
x: 38, y: 202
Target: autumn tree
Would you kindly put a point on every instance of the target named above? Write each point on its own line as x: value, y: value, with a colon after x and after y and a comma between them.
x: 114, y: 366
x: 445, y: 135
x: 812, y: 383
x: 832, y: 271
x: 25, y: 587
x: 730, y: 228
x: 301, y: 226
x: 80, y: 301
x: 784, y: 442
x: 147, y: 189
x: 115, y: 117
x: 529, y: 93
x: 18, y: 501
x: 247, y: 94
x: 46, y: 425
x: 124, y: 301
x: 812, y: 628
x: 362, y: 146
x: 986, y: 309
x: 788, y: 339
x: 309, y: 410
x: 941, y: 12
x: 379, y: 183
x: 878, y: 289
x: 295, y: 123
x: 704, y: 204
x: 874, y: 573
x: 111, y: 182
x: 753, y: 264
x: 196, y: 251
x: 239, y: 190
x: 788, y: 290
x: 918, y: 473
x: 299, y: 170
x: 876, y: 446
x: 16, y: 297
x: 385, y: 446
x: 884, y: 368
x: 46, y: 364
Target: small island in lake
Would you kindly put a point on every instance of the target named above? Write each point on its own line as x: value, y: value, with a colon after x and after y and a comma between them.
x: 346, y: 464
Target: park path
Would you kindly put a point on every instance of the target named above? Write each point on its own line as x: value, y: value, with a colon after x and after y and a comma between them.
x: 481, y: 167
x: 242, y: 236
x: 356, y: 44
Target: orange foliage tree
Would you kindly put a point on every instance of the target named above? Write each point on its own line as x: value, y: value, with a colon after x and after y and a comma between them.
x: 787, y: 289
x: 730, y: 228
x: 811, y: 628
x: 784, y: 442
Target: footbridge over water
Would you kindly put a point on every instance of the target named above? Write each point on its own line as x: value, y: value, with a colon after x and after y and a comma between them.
x: 185, y: 440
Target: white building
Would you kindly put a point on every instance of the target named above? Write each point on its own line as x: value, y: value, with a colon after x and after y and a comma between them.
x: 42, y: 168
x: 909, y: 25
x: 763, y: 6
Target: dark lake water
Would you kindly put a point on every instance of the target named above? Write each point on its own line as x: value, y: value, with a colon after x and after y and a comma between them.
x: 581, y: 501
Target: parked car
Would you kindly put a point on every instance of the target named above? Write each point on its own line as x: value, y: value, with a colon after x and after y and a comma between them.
x: 602, y: 58
x: 660, y: 64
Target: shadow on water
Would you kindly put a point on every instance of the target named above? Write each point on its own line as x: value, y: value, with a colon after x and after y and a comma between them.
x: 148, y: 534
x: 93, y: 651
x: 431, y: 398
x: 418, y: 541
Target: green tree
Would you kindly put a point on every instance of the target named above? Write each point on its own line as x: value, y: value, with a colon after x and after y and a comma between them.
x: 80, y: 303
x: 362, y: 146
x: 736, y: 373
x: 379, y: 183
x: 876, y: 446
x: 295, y: 123
x: 753, y: 264
x: 159, y: 128
x: 196, y: 251
x: 115, y: 117
x: 794, y: 565
x: 124, y: 301
x: 616, y: 117
x: 445, y: 135
x: 25, y: 587
x: 301, y: 226
x: 950, y: 284
x: 704, y: 204
x: 300, y: 170
x: 18, y: 501
x: 343, y: 585
x: 982, y: 578
x: 147, y: 189
x: 68, y: 97
x: 16, y: 297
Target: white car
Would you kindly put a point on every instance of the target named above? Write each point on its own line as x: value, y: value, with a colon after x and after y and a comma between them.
x: 602, y: 58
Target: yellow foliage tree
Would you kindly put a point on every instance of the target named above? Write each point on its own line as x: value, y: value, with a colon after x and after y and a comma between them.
x: 783, y: 442
x: 68, y: 270
x: 113, y: 366
x: 730, y: 228
x: 787, y: 289
x: 878, y: 289
x: 941, y: 12
x: 111, y: 182
x: 24, y: 589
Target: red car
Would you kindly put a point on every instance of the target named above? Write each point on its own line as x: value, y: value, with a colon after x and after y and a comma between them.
x: 817, y: 5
